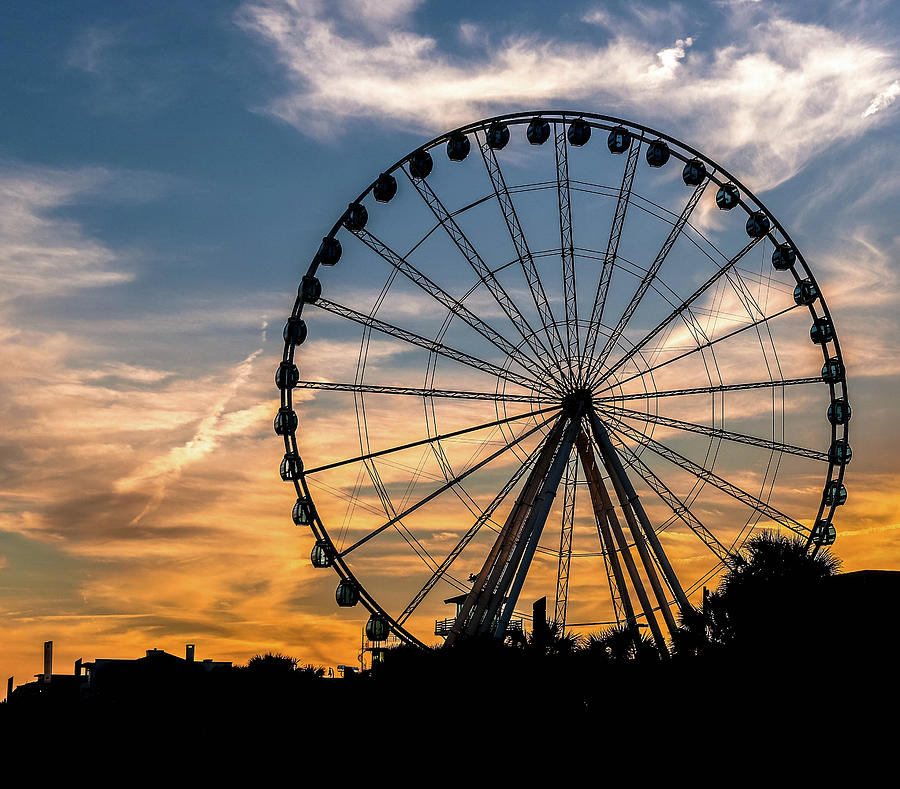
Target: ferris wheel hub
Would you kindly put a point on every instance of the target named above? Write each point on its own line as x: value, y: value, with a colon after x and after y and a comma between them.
x: 577, y: 401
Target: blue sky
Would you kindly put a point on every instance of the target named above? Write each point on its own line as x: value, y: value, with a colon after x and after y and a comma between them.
x: 167, y: 169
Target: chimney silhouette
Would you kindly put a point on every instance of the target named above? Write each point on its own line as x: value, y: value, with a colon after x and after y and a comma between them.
x: 48, y: 660
x: 189, y: 653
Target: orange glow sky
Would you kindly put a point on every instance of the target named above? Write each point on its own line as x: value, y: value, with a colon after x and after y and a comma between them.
x: 157, y: 211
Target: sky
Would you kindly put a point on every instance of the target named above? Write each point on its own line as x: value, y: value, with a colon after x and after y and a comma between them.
x: 166, y: 173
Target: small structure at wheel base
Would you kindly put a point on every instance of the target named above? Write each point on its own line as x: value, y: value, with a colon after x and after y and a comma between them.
x: 442, y: 627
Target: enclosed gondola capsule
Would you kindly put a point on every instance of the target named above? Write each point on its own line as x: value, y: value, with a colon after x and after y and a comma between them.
x: 329, y: 251
x: 657, y: 153
x: 824, y: 533
x: 619, y: 140
x: 355, y: 217
x: 497, y: 135
x: 285, y: 421
x: 385, y: 188
x: 538, y: 131
x: 458, y: 147
x: 805, y: 292
x: 839, y: 411
x: 821, y: 331
x: 839, y: 452
x: 833, y: 370
x: 346, y: 594
x: 694, y: 172
x: 579, y: 132
x: 420, y: 164
x: 727, y: 197
x: 784, y: 257
x: 377, y: 628
x: 302, y: 513
x: 291, y: 467
x: 295, y: 330
x: 320, y: 555
x: 287, y: 375
x: 758, y: 224
x: 835, y: 494
x: 310, y: 289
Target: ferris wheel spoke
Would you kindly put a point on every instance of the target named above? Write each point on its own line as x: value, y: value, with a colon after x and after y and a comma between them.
x: 483, y: 518
x: 429, y: 345
x: 457, y: 394
x: 523, y: 251
x: 456, y: 307
x: 449, y: 484
x: 703, y: 346
x: 680, y: 308
x: 679, y: 509
x: 388, y: 506
x: 429, y: 440
x: 714, y: 432
x: 468, y: 251
x: 649, y: 277
x: 712, y: 389
x: 612, y: 248
x: 708, y: 476
x: 567, y: 248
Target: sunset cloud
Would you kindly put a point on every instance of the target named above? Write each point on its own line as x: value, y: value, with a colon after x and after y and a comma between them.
x: 751, y: 99
x: 148, y: 260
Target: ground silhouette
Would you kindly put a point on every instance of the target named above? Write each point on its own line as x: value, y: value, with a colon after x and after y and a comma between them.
x: 785, y: 640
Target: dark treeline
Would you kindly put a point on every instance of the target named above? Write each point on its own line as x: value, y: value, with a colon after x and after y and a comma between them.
x: 785, y: 642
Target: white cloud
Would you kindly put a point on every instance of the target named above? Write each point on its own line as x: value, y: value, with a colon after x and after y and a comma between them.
x: 883, y: 99
x: 598, y: 16
x: 43, y: 254
x: 766, y: 104
x: 217, y: 424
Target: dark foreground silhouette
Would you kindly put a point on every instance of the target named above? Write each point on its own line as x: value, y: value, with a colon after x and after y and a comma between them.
x: 786, y: 647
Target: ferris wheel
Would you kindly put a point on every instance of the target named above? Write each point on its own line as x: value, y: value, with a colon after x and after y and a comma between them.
x: 529, y: 362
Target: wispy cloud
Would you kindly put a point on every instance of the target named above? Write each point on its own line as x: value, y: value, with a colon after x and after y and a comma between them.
x: 92, y: 49
x: 41, y: 253
x: 758, y: 102
x: 159, y: 474
x: 883, y: 99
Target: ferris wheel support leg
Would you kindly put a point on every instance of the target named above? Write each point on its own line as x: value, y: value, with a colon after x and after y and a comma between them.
x: 603, y: 504
x: 531, y: 533
x: 472, y: 613
x: 604, y: 515
x: 613, y: 458
x: 565, y: 541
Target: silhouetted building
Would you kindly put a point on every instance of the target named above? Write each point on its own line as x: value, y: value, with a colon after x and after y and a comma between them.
x: 156, y: 672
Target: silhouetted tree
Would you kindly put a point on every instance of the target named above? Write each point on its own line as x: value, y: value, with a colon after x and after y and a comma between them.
x: 620, y: 644
x: 760, y: 600
x: 272, y: 664
x: 552, y: 640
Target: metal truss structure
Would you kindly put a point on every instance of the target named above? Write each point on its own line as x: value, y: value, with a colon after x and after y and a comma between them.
x: 490, y: 401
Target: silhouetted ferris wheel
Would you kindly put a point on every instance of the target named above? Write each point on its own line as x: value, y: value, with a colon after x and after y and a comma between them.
x: 555, y: 367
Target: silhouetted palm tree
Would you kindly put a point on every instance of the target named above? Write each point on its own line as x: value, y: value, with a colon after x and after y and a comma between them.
x: 621, y: 644
x: 552, y: 640
x: 760, y: 598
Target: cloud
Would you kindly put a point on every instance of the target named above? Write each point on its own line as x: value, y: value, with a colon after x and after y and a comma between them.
x: 766, y: 104
x: 91, y: 51
x: 129, y: 68
x: 883, y: 99
x: 212, y: 428
x: 42, y: 254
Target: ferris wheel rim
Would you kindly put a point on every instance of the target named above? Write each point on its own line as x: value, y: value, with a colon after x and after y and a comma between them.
x: 606, y: 122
